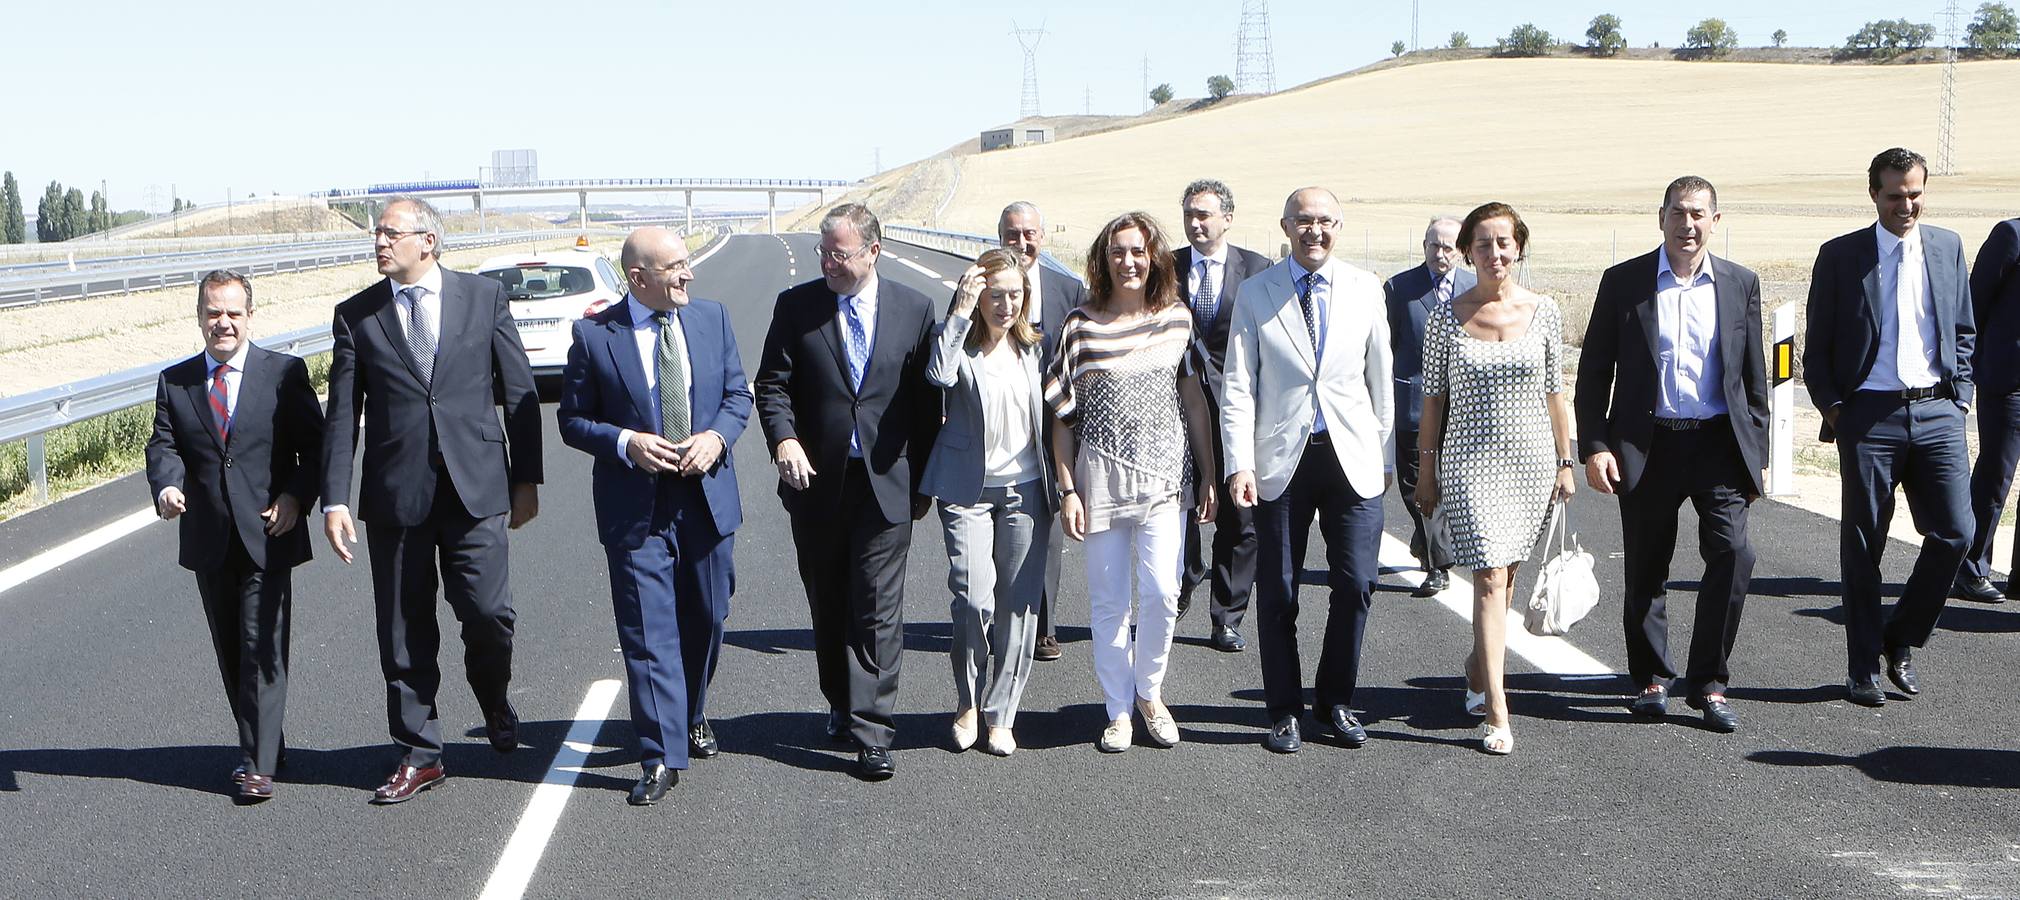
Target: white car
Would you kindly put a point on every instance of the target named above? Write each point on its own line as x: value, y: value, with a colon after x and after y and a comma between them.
x: 548, y: 291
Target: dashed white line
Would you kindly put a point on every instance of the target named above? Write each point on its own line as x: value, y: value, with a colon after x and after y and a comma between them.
x: 41, y: 563
x: 522, y: 853
x: 950, y: 284
x: 1552, y: 655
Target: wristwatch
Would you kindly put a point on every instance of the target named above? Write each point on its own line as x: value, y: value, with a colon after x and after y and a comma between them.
x: 1060, y: 494
x: 1567, y: 463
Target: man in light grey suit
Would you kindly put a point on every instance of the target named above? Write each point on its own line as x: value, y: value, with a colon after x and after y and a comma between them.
x: 1413, y: 295
x: 1308, y: 361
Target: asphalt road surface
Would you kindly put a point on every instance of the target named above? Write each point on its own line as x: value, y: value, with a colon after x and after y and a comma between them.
x: 115, y: 741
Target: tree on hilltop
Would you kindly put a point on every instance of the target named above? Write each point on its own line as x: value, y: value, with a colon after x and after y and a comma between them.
x: 1603, y: 36
x: 1711, y: 37
x: 1887, y: 38
x: 1995, y: 29
x: 1524, y: 40
x: 1459, y: 41
x: 13, y: 223
x: 1780, y: 37
x: 1219, y: 86
x: 1161, y: 94
x: 1397, y: 48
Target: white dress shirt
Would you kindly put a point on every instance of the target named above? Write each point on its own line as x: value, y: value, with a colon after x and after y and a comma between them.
x: 431, y: 301
x: 1217, y: 263
x: 1009, y: 442
x: 1689, y: 368
x: 1034, y: 305
x: 233, y: 378
x: 645, y: 333
x: 1908, y: 341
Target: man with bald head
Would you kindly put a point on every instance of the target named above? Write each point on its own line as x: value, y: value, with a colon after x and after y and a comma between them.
x: 654, y: 390
x: 1413, y: 296
x: 1053, y: 295
x: 1305, y: 422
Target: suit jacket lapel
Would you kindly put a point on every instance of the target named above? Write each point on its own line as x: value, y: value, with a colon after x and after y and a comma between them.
x: 253, y: 396
x: 622, y: 345
x: 199, y: 397
x: 388, y: 318
x: 1291, y: 317
x: 1938, y: 279
x: 459, y: 314
x: 884, y: 353
x: 831, y: 329
x: 1731, y: 321
x: 1645, y: 309
x: 1867, y: 264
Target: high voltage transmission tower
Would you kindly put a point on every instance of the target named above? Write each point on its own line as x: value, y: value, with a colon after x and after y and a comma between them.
x: 1028, y: 38
x: 1946, y: 158
x: 1255, y: 68
x: 1414, y: 47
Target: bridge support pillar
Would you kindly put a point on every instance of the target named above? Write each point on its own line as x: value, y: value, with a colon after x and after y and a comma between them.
x: 582, y: 208
x: 771, y: 212
x: 687, y: 205
x: 477, y: 200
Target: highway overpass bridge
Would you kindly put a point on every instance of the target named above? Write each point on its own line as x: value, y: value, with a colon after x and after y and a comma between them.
x: 582, y: 187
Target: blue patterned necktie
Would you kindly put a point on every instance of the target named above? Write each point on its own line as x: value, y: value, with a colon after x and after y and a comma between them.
x: 858, y: 344
x: 419, y: 342
x: 1305, y: 302
x: 1205, y: 301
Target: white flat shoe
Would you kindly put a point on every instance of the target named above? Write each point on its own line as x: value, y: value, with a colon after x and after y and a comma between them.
x: 1496, y: 739
x: 1163, y: 730
x: 1116, y: 737
x: 1476, y: 703
x: 1000, y: 742
x: 964, y: 729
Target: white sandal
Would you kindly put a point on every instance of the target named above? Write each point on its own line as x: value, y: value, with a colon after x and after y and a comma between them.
x: 1496, y: 739
x: 1476, y: 703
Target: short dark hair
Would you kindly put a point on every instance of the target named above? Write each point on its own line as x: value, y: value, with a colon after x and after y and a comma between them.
x: 1160, y: 289
x: 1488, y: 213
x: 1689, y: 184
x: 859, y: 217
x: 1209, y: 186
x: 1895, y: 159
x: 220, y: 278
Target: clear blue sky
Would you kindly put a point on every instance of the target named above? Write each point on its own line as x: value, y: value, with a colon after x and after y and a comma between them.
x: 285, y: 97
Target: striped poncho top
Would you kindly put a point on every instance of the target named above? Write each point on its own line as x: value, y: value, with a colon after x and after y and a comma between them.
x: 1116, y: 384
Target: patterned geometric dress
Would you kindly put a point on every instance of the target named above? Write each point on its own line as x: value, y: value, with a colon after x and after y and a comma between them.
x: 1498, y: 465
x: 1117, y: 385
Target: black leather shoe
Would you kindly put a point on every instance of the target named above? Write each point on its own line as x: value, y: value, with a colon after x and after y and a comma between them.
x: 875, y: 764
x: 501, y: 726
x: 255, y: 789
x: 1343, y: 727
x: 838, y: 729
x: 1228, y: 640
x: 1718, y: 714
x: 1865, y: 692
x: 1284, y: 737
x: 651, y: 787
x: 1185, y: 600
x: 1651, y: 703
x: 1977, y: 590
x: 701, y: 741
x: 1434, y: 584
x: 1901, y: 670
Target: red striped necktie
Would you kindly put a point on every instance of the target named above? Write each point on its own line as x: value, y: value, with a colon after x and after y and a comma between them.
x: 219, y: 397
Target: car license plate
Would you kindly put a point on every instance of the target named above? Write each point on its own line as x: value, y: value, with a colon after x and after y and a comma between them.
x: 534, y: 324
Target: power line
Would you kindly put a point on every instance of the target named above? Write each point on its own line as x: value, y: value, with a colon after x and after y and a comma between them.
x: 1255, y: 68
x: 1028, y: 38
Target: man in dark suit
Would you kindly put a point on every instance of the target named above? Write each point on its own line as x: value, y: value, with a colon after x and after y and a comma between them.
x: 426, y: 355
x: 1055, y: 294
x: 237, y: 436
x: 843, y: 398
x: 1214, y: 270
x: 1888, y: 363
x: 1995, y: 369
x: 655, y: 391
x: 1675, y: 343
x: 1413, y: 295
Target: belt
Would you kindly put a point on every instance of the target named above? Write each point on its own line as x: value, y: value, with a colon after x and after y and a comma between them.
x: 1940, y: 390
x: 1686, y: 424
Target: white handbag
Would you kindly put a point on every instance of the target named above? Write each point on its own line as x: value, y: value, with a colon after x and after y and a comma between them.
x: 1566, y: 589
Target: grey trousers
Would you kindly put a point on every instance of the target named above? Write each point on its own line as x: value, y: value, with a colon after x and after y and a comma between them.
x: 996, y: 550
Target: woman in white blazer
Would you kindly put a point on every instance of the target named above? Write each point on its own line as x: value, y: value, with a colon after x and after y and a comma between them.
x: 990, y: 473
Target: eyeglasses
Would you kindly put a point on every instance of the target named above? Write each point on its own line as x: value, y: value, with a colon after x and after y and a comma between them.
x: 392, y: 235
x: 674, y: 268
x: 1307, y: 223
x: 838, y: 257
x: 1441, y: 247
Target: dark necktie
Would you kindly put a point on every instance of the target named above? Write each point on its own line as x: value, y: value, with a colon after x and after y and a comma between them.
x: 859, y: 344
x: 1205, y: 301
x: 1305, y: 303
x: 672, y: 378
x: 419, y: 342
x: 220, y: 401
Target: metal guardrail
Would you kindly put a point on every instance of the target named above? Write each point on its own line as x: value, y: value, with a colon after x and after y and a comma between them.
x: 30, y: 416
x: 40, y: 287
x: 961, y: 243
x: 569, y: 184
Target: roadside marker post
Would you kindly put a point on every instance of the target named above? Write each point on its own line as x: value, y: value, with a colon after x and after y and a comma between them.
x: 1782, y: 404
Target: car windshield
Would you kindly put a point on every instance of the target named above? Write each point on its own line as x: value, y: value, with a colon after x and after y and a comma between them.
x: 537, y: 282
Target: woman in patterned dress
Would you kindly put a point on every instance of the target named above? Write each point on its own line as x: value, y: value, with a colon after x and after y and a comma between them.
x: 1129, y: 403
x: 1495, y: 445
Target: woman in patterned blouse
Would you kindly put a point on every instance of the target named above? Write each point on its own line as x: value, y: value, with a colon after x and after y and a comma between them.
x: 1129, y: 403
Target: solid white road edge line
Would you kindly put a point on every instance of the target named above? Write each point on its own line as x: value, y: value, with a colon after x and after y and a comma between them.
x: 1552, y: 655
x: 41, y: 563
x: 929, y: 273
x: 522, y: 853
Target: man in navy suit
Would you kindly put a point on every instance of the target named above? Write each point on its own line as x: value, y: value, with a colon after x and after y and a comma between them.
x: 1995, y: 368
x: 426, y: 355
x: 1413, y: 295
x: 1213, y: 270
x: 1888, y: 363
x: 655, y: 391
x: 846, y: 409
x: 1053, y: 294
x: 237, y: 436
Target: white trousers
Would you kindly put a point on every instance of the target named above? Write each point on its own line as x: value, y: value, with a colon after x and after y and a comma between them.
x: 1134, y: 563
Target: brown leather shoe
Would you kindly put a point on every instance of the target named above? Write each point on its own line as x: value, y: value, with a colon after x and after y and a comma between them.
x: 1047, y: 649
x: 256, y: 788
x: 407, y: 781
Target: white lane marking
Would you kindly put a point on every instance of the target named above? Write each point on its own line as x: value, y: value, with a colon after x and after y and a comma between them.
x: 536, y: 825
x: 792, y: 272
x: 1552, y: 655
x: 950, y: 285
x: 41, y: 563
x: 697, y: 261
x: 929, y: 273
